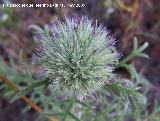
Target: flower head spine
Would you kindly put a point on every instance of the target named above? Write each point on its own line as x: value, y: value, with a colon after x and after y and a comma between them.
x: 77, y: 56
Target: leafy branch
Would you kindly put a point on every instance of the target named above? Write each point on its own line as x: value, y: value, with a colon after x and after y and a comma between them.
x: 24, y: 98
x: 126, y: 93
x: 136, y: 52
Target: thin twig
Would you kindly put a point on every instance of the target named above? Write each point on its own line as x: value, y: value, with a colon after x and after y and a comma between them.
x: 25, y: 99
x: 135, y: 8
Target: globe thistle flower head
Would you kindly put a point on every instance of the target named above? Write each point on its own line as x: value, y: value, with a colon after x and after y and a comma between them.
x: 77, y: 56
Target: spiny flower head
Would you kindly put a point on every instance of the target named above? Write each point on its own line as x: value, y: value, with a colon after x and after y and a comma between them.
x: 78, y: 57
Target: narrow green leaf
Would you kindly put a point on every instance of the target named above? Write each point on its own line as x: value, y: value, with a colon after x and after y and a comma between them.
x: 27, y: 90
x: 143, y: 55
x: 73, y: 116
x: 135, y: 43
x: 13, y: 65
x: 143, y: 47
x: 35, y: 28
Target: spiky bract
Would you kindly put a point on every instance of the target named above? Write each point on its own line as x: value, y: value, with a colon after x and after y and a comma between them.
x: 77, y: 56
